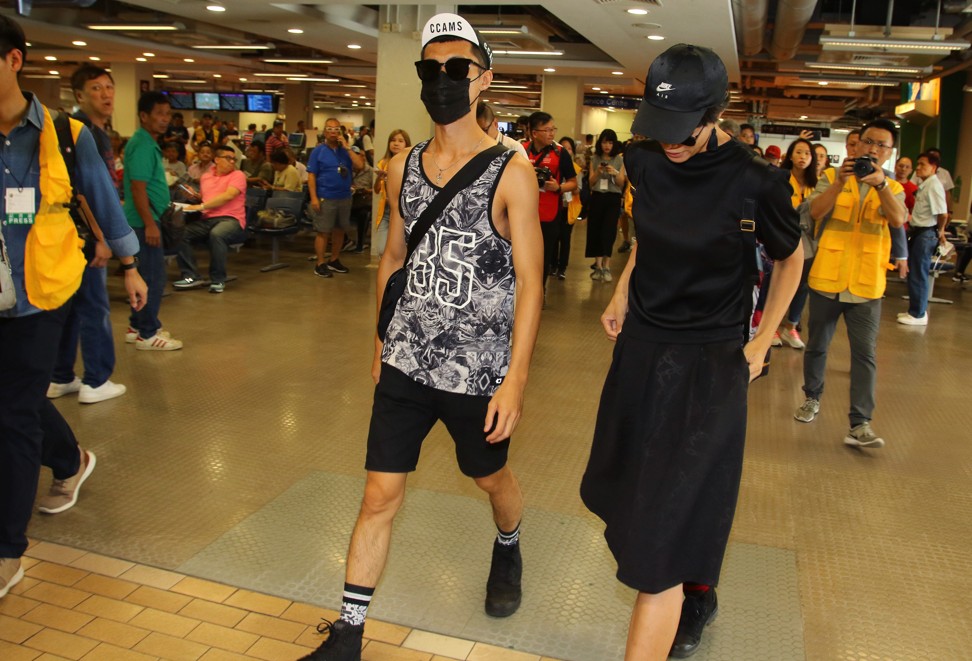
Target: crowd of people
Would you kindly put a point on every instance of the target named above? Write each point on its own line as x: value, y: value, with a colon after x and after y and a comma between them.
x: 463, y: 313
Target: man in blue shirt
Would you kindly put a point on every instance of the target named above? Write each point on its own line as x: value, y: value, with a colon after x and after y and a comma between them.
x: 90, y: 318
x: 32, y: 431
x: 329, y: 176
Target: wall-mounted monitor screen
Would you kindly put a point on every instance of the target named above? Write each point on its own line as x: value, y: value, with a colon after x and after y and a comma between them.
x: 232, y: 102
x: 180, y: 100
x: 207, y: 101
x: 259, y: 102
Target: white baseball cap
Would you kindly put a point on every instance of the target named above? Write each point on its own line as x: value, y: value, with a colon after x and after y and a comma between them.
x: 454, y: 25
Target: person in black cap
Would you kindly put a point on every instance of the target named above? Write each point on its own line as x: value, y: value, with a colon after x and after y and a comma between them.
x: 456, y: 349
x: 666, y: 458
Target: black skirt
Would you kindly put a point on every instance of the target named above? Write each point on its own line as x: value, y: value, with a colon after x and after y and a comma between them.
x: 602, y: 224
x: 667, y: 458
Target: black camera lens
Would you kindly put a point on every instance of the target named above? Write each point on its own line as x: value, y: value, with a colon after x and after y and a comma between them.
x: 863, y: 167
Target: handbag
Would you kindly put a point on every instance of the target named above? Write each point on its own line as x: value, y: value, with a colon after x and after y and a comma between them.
x: 173, y: 225
x: 395, y: 286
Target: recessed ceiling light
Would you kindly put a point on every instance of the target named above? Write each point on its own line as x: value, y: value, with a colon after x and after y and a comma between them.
x: 159, y: 75
x: 280, y: 75
x: 305, y: 60
x: 603, y: 91
x: 78, y: 42
x: 50, y: 58
x: 234, y: 47
x: 217, y: 75
x: 656, y: 37
x: 134, y: 27
x: 315, y: 80
x: 638, y: 12
x: 549, y: 69
x: 354, y: 46
x: 617, y: 73
x: 242, y: 80
x: 28, y: 44
x: 367, y: 103
x: 822, y: 82
x: 141, y: 59
x: 215, y: 7
x: 54, y: 73
x: 149, y: 54
x: 596, y: 89
x: 347, y: 95
x: 295, y: 31
x: 95, y: 58
x: 803, y: 117
x: 317, y: 107
x: 188, y: 59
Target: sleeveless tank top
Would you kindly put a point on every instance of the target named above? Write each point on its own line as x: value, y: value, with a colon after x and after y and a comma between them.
x: 453, y: 325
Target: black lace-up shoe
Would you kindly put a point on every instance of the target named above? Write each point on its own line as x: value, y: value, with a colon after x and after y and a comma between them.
x: 343, y: 642
x: 698, y: 610
x: 503, y: 592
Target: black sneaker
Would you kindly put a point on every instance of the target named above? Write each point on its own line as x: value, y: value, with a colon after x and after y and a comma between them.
x: 503, y: 592
x: 698, y: 610
x: 343, y: 642
x: 337, y: 266
x: 561, y: 275
x: 323, y: 271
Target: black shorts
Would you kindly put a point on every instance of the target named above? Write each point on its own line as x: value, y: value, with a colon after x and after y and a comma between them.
x: 405, y: 411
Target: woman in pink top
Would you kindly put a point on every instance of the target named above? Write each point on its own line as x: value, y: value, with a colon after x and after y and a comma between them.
x: 223, y: 222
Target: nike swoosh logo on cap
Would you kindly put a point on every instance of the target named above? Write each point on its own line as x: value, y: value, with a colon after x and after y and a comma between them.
x: 664, y: 87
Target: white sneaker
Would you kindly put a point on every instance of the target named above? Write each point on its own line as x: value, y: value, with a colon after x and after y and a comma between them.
x: 777, y: 342
x: 56, y: 390
x: 908, y: 320
x: 131, y: 335
x: 791, y: 337
x: 862, y: 436
x: 161, y: 341
x: 606, y: 275
x: 106, y: 390
x: 597, y: 274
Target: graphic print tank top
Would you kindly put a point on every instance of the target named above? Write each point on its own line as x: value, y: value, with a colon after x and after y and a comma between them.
x: 453, y: 325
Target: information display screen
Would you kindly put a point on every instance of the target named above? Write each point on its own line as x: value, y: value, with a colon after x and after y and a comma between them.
x: 259, y: 102
x: 207, y: 101
x: 180, y: 100
x: 232, y: 102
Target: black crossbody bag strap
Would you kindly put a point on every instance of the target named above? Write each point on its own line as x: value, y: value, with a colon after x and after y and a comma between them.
x: 468, y: 174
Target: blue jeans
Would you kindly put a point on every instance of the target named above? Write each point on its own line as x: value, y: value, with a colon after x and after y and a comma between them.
x: 921, y: 247
x: 800, y: 297
x: 151, y: 266
x: 89, y: 319
x: 217, y: 233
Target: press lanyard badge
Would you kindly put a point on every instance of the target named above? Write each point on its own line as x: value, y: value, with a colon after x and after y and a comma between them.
x: 20, y: 206
x: 602, y: 185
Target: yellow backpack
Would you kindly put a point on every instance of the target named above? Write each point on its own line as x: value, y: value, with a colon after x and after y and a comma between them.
x: 53, y: 257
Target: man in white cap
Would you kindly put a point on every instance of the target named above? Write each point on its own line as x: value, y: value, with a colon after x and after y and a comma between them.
x: 456, y: 349
x: 667, y: 454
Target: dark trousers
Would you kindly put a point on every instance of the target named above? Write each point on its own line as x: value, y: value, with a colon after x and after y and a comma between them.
x: 32, y: 431
x: 216, y: 233
x: 562, y: 249
x: 551, y: 235
x: 863, y: 321
x: 151, y: 266
x: 90, y: 321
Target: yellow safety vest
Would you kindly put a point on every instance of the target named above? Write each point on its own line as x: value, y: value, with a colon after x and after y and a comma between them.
x: 854, y: 252
x: 53, y: 257
x: 800, y: 193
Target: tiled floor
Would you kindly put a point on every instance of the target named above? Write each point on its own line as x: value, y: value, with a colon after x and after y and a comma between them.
x: 239, y: 460
x: 78, y: 605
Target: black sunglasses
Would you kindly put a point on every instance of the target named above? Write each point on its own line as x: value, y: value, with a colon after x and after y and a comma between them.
x: 457, y: 68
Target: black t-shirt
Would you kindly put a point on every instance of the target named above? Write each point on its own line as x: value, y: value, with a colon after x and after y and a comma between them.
x: 687, y: 285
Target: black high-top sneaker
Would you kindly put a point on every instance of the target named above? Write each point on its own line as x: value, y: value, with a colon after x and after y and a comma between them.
x: 503, y: 592
x: 343, y: 642
x: 698, y: 610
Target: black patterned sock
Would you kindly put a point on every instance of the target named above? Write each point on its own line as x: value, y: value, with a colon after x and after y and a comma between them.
x: 354, y: 604
x: 508, y: 538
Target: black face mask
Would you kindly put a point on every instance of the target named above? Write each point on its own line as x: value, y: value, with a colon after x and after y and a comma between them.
x: 445, y: 99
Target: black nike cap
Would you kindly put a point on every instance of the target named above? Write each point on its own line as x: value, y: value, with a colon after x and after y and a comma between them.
x: 681, y: 84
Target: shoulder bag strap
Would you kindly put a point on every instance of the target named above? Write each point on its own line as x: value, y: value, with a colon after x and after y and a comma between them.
x: 468, y: 174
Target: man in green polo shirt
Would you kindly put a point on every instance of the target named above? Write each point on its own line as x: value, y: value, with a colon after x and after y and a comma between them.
x: 146, y: 198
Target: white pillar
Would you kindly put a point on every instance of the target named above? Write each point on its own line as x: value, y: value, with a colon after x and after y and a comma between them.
x: 129, y: 81
x: 297, y: 104
x: 963, y: 160
x: 563, y: 97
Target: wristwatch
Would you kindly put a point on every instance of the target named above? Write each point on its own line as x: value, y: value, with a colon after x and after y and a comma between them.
x: 881, y: 185
x: 129, y: 267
